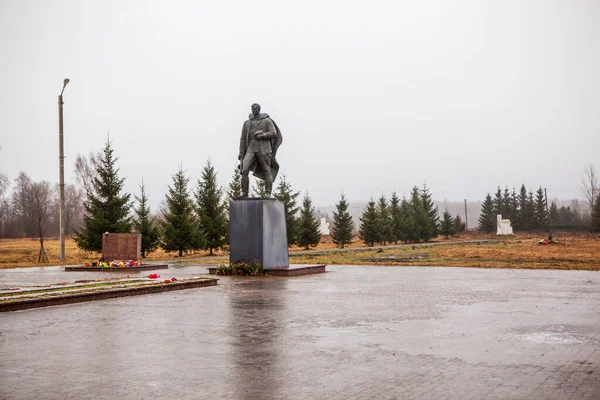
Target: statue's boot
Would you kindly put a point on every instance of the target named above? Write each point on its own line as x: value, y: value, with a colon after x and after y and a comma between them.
x: 245, y: 185
x: 268, y: 185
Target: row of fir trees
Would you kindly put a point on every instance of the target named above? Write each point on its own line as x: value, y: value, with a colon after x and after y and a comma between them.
x: 188, y: 222
x: 530, y: 212
x: 527, y: 211
x: 413, y: 220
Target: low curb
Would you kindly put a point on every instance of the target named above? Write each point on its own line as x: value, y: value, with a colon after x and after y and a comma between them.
x: 121, y: 269
x: 67, y: 298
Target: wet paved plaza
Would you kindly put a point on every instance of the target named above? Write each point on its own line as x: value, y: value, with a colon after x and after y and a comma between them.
x: 354, y: 332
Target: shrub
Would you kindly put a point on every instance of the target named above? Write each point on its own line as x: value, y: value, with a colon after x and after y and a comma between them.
x: 253, y: 268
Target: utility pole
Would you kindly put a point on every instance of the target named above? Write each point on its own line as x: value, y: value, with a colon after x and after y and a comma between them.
x: 466, y: 217
x: 61, y: 160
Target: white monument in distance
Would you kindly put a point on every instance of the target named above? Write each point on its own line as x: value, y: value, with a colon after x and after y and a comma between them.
x: 324, y: 226
x: 503, y: 226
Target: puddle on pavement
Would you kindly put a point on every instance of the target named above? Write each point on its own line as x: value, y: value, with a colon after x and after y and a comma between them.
x: 557, y: 334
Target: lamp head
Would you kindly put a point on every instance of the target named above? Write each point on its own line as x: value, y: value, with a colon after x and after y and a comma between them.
x: 64, y: 85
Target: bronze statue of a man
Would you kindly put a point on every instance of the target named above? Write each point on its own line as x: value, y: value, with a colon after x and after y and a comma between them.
x: 259, y: 142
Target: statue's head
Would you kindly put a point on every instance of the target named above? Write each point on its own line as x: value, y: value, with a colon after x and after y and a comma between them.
x: 255, y: 109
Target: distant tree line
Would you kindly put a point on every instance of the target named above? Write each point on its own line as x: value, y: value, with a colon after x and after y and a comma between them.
x: 529, y: 211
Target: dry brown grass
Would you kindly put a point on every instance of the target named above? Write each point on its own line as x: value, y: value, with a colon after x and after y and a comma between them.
x: 571, y: 252
x: 567, y: 252
x: 16, y: 253
x: 523, y: 251
x: 24, y: 252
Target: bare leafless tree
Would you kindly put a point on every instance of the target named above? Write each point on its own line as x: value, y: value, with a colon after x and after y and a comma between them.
x: 73, y: 208
x: 41, y: 198
x: 85, y: 170
x: 590, y: 187
x: 4, y: 206
x: 4, y: 183
x: 22, y: 205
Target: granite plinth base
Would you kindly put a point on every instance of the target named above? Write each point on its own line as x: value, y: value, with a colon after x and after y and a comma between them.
x: 143, y: 267
x: 257, y: 231
x: 292, y: 270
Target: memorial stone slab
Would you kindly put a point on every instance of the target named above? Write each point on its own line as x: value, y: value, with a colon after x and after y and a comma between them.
x: 121, y: 246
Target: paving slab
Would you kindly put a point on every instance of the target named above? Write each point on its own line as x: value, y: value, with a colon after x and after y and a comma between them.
x: 354, y: 332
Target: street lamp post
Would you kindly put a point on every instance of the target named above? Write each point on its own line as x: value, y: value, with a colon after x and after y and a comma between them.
x: 61, y: 160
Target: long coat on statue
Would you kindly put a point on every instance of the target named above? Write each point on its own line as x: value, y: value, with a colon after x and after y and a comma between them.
x: 268, y: 146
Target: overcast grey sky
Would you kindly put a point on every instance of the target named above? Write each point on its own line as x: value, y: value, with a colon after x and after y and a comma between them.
x: 371, y: 96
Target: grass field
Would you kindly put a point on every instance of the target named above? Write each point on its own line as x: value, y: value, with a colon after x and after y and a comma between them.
x: 24, y: 253
x: 567, y: 253
x: 523, y: 251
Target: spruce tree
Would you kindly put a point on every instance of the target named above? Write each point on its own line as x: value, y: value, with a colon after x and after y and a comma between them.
x: 567, y: 216
x: 514, y: 210
x: 498, y: 203
x: 308, y: 225
x: 144, y: 224
x: 259, y: 189
x: 432, y: 215
x: 235, y: 191
x: 211, y: 210
x: 506, y: 204
x: 487, y: 219
x: 541, y: 210
x: 288, y: 197
x: 369, y: 225
x: 343, y: 225
x: 106, y: 208
x: 530, y: 211
x: 447, y: 225
x: 180, y: 225
x: 409, y: 226
x: 563, y: 214
x: 554, y: 215
x: 423, y: 229
x: 235, y: 186
x: 525, y: 211
x: 398, y: 219
x: 595, y: 223
x: 384, y: 219
x: 459, y: 226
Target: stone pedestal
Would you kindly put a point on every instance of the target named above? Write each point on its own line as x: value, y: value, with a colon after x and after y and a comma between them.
x: 257, y: 232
